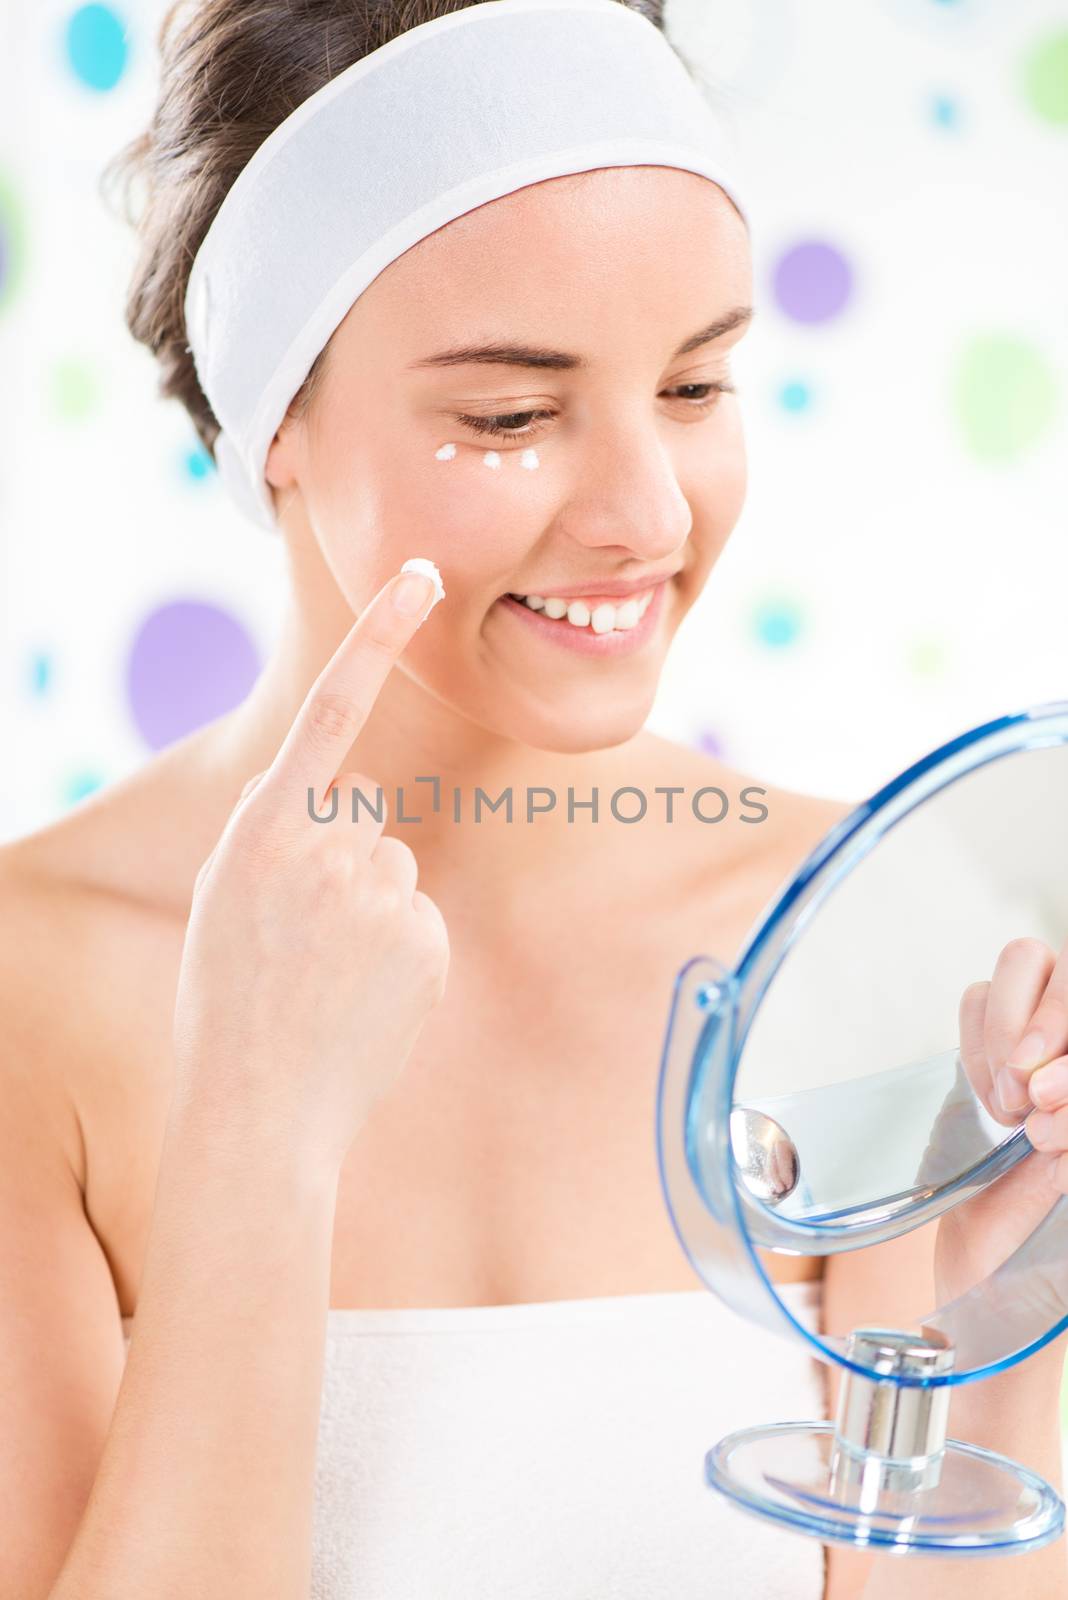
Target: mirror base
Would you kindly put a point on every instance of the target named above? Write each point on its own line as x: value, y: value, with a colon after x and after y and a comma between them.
x: 981, y: 1503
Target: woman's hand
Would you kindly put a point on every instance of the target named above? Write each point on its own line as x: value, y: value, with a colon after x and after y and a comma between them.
x: 311, y: 959
x: 1014, y: 1050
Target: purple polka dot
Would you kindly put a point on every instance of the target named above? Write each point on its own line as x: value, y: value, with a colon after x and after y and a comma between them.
x: 710, y: 742
x: 813, y: 281
x: 190, y: 662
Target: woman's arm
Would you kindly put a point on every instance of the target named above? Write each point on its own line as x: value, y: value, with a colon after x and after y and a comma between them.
x: 310, y: 963
x: 191, y: 1473
x: 60, y: 1336
x: 194, y: 1472
x: 1017, y: 1413
x: 206, y: 1483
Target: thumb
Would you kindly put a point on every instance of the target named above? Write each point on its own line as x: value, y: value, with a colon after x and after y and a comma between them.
x: 249, y: 786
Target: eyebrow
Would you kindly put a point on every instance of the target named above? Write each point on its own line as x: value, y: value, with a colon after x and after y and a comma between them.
x: 523, y: 355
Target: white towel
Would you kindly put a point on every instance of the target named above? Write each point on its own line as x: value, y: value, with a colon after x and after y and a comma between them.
x: 553, y: 1451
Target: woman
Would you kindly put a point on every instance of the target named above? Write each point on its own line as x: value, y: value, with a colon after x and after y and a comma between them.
x: 290, y: 1094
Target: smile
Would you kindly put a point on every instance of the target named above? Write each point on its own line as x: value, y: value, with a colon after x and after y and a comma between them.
x: 603, y: 628
x: 600, y: 615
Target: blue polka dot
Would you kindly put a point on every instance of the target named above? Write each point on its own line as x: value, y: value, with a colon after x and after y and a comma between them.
x: 39, y: 673
x: 198, y: 463
x: 96, y: 46
x: 945, y: 112
x: 795, y: 396
x: 79, y: 784
x: 777, y: 625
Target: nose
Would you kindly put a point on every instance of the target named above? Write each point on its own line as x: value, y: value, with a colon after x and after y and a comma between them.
x: 626, y: 493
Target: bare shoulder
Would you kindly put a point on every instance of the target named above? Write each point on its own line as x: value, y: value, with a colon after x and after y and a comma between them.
x: 66, y: 918
x: 39, y: 947
x: 759, y: 821
x: 72, y: 948
x: 59, y: 1320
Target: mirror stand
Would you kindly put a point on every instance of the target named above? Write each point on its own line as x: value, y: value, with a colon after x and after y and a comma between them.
x: 884, y: 1475
x: 895, y: 1424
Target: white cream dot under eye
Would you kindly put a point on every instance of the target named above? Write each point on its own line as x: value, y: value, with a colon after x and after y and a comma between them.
x: 492, y: 458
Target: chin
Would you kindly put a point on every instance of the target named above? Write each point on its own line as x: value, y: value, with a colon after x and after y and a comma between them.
x: 596, y: 729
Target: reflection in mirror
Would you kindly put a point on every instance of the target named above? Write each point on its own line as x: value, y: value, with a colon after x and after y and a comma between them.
x: 765, y: 1154
x: 852, y: 1090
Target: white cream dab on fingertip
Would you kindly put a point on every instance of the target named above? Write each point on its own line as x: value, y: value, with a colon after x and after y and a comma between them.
x: 529, y: 459
x: 492, y: 458
x: 446, y: 452
x: 424, y: 565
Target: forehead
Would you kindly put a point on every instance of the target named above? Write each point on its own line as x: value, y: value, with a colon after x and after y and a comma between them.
x: 581, y: 250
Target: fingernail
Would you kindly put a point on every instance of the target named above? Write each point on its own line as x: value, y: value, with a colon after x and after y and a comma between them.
x: 411, y: 594
x: 1049, y: 1085
x: 1029, y: 1052
x: 1039, y: 1126
x: 1012, y: 1096
x: 424, y: 567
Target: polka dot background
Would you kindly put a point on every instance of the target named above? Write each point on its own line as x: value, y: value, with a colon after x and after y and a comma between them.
x: 899, y: 571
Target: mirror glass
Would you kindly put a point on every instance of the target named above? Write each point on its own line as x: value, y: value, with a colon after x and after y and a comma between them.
x: 857, y: 1091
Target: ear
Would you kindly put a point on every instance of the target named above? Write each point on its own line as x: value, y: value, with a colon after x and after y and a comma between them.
x: 280, y: 467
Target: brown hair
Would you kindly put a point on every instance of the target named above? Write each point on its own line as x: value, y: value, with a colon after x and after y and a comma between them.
x: 230, y: 72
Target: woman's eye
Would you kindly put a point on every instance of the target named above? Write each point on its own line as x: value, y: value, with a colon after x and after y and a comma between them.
x: 521, y: 424
x: 701, y: 395
x: 511, y: 424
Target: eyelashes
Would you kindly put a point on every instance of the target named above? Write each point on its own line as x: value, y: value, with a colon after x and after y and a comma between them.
x: 496, y: 425
x: 500, y: 426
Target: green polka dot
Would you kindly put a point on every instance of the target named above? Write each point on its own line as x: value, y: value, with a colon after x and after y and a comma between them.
x: 12, y: 242
x: 1004, y: 395
x: 926, y: 657
x: 73, y: 390
x: 1045, y: 78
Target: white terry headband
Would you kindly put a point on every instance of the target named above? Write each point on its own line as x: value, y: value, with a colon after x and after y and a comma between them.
x: 451, y: 114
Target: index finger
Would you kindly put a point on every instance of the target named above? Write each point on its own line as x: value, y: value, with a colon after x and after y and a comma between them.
x: 342, y: 697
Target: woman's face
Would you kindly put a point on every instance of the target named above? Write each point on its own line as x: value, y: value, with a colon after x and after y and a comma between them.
x: 608, y: 453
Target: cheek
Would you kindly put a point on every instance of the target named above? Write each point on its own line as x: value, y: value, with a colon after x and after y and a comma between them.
x: 732, y: 494
x: 715, y: 491
x: 483, y: 507
x: 472, y: 509
x: 717, y: 488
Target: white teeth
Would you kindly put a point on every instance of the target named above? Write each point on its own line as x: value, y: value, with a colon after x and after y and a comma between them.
x: 604, y: 618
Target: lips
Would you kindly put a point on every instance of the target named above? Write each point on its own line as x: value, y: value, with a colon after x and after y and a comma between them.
x: 607, y: 589
x: 584, y: 640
